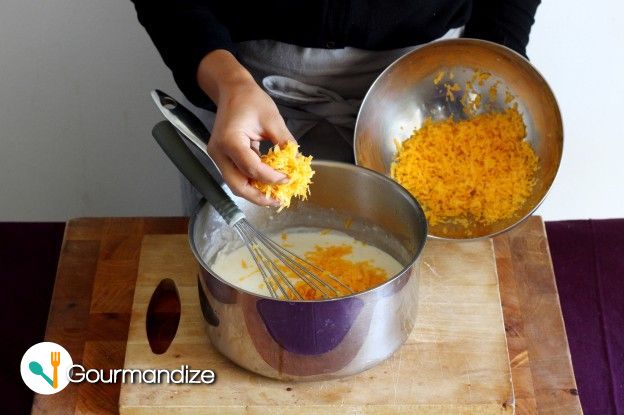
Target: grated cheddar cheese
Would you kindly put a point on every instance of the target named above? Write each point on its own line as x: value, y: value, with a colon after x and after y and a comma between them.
x: 358, y: 276
x: 296, y: 166
x: 475, y: 170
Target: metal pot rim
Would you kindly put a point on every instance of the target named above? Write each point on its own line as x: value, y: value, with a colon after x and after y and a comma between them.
x: 364, y: 170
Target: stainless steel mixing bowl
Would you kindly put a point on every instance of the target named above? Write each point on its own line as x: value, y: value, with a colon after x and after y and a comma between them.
x: 404, y: 95
x: 305, y: 340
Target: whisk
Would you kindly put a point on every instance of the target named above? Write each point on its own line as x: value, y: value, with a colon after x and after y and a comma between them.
x: 284, y: 273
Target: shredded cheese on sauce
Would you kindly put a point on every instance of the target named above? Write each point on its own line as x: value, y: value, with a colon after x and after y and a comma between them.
x: 358, y: 276
x: 296, y: 166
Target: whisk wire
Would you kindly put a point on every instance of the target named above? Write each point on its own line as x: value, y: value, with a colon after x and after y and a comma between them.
x: 299, y: 270
x: 265, y: 265
x: 265, y: 277
x: 302, y: 264
x: 293, y: 264
x: 273, y: 276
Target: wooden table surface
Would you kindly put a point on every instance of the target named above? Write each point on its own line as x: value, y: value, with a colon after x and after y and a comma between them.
x: 93, y: 293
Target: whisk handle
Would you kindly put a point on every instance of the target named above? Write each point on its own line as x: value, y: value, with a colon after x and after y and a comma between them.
x: 167, y: 137
x: 189, y: 126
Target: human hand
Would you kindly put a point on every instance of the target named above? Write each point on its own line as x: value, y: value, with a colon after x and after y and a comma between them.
x: 245, y: 116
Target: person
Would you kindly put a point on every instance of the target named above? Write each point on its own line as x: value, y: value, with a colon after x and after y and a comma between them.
x: 279, y: 70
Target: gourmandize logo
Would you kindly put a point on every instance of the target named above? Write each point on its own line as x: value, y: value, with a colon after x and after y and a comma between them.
x: 47, y: 368
x: 44, y: 368
x: 55, y: 360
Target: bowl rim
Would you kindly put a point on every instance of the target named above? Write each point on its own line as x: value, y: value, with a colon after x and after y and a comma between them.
x: 364, y: 170
x: 500, y: 49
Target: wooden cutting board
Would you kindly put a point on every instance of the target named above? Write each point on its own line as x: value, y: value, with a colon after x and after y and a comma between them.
x: 455, y: 361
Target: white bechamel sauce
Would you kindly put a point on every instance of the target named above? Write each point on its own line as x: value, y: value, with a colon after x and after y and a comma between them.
x: 236, y: 265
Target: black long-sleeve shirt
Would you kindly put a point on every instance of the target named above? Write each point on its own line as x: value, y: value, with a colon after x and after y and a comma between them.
x: 184, y: 31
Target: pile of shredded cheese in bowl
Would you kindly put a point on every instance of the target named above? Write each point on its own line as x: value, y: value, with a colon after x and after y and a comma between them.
x: 296, y: 166
x: 474, y: 171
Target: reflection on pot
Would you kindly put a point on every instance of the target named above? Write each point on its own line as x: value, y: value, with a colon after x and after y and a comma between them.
x: 307, y: 340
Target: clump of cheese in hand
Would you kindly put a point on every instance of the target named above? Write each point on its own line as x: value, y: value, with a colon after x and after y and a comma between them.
x: 296, y: 166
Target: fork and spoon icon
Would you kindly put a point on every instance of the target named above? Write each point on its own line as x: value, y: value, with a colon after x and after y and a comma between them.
x: 55, y: 361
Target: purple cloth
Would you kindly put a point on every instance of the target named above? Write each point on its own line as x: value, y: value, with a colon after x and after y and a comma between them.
x: 29, y: 253
x: 588, y: 258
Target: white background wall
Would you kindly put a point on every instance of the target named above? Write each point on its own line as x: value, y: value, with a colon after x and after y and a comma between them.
x: 75, y: 114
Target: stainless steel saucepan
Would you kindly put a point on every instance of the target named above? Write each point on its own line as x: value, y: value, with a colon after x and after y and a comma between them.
x: 308, y: 340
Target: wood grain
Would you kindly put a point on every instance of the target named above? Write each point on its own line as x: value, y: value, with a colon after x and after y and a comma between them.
x: 538, y: 348
x: 455, y: 360
x: 103, y: 336
x: 91, y: 303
